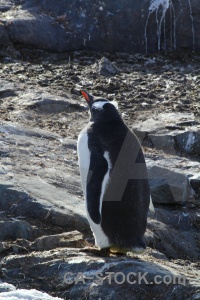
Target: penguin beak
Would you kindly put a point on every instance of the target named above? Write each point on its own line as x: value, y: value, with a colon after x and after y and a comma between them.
x: 87, y: 97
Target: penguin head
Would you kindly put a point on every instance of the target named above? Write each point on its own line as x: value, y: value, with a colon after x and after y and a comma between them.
x: 101, y: 109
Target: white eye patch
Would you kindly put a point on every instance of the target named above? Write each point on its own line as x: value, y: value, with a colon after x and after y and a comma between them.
x: 100, y: 104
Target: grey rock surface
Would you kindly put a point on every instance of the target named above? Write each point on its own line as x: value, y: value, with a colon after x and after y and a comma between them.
x: 171, y: 132
x: 106, y: 68
x: 125, y: 26
x: 40, y: 191
x: 172, y: 179
x: 72, y: 239
x: 76, y: 275
x: 11, y: 230
x: 25, y: 186
x: 170, y: 238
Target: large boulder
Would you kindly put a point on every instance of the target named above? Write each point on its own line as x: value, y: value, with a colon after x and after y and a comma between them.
x: 173, y: 180
x: 170, y: 132
x: 73, y: 274
x: 123, y: 26
x: 26, y: 192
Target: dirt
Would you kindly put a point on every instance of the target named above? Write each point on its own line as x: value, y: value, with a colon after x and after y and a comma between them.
x: 144, y: 84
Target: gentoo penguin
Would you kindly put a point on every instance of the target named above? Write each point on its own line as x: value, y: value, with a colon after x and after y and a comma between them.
x: 114, y: 179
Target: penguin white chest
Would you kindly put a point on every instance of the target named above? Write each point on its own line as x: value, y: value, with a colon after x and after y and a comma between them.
x: 83, y: 158
x: 84, y: 155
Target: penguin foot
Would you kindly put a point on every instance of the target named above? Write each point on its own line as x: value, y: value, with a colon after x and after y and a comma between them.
x: 118, y: 250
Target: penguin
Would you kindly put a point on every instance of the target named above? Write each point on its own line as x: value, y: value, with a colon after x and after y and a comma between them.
x: 114, y: 179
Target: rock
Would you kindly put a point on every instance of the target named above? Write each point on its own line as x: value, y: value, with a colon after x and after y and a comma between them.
x: 172, y: 241
x: 2, y: 247
x: 6, y: 88
x: 189, y: 142
x: 171, y: 178
x: 46, y: 105
x: 69, y: 239
x: 167, y: 186
x: 41, y: 116
x: 149, y: 238
x: 195, y: 183
x: 5, y: 5
x: 76, y: 275
x: 158, y: 254
x: 107, y: 68
x: 43, y: 201
x: 33, y: 191
x: 17, y: 249
x: 44, y: 32
x: 4, y: 37
x: 182, y: 219
x: 11, y: 230
x: 164, y: 140
x: 110, y: 27
x: 164, y: 120
x: 178, y: 140
x: 20, y: 130
x: 173, y: 231
x: 170, y: 132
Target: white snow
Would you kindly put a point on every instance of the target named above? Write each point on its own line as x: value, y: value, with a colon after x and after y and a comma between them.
x: 22, y: 294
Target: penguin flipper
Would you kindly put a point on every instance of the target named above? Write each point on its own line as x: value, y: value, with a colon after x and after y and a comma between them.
x: 95, y: 181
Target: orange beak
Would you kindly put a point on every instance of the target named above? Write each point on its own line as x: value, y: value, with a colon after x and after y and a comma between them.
x: 85, y: 95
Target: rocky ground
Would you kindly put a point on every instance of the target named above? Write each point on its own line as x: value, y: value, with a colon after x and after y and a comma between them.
x: 43, y: 227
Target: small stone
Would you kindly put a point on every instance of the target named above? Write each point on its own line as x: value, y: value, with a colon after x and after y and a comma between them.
x: 158, y: 255
x: 107, y: 68
x: 68, y: 239
x: 167, y: 185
